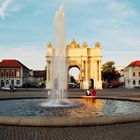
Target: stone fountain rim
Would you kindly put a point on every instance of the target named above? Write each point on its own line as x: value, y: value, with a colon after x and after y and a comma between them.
x: 76, y: 121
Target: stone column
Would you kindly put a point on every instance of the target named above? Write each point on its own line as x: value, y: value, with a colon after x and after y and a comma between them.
x: 100, y: 70
x: 82, y: 69
x: 98, y: 75
x: 86, y: 83
x: 86, y: 71
x: 48, y: 79
x: 95, y: 71
x: 49, y: 71
x: 91, y: 69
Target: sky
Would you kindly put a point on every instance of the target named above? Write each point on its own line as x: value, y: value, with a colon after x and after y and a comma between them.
x: 27, y: 26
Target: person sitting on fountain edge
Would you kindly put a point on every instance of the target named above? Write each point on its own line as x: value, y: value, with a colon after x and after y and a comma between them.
x: 91, y: 92
x: 88, y: 93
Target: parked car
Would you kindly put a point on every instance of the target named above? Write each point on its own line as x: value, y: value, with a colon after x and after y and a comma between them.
x: 73, y: 85
x: 6, y: 88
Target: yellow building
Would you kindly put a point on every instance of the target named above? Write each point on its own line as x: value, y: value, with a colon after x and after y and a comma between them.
x: 87, y: 60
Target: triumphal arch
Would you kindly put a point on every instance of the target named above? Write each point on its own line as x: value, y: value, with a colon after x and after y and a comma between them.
x: 87, y: 60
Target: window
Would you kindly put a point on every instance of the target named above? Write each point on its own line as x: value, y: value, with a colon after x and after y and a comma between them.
x: 134, y: 82
x: 12, y: 74
x: 1, y: 74
x: 2, y: 83
x: 7, y: 82
x: 17, y: 74
x: 18, y: 82
x: 133, y: 74
x: 7, y: 74
x: 128, y: 81
x: 12, y: 82
x: 4, y: 73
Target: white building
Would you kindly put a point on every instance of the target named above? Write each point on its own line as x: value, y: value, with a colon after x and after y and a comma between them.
x: 132, y: 75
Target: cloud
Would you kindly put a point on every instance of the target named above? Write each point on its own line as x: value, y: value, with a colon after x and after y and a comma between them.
x: 76, y: 1
x: 120, y: 58
x: 34, y: 59
x: 122, y: 10
x: 81, y: 1
x: 4, y: 7
x: 16, y: 8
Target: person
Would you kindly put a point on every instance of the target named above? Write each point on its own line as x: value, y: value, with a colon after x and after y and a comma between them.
x: 11, y: 87
x: 88, y: 93
x: 93, y: 92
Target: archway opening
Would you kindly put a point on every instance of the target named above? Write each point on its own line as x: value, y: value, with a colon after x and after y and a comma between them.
x: 74, y: 77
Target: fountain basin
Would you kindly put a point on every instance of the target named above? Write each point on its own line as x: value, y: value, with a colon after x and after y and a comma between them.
x: 66, y: 119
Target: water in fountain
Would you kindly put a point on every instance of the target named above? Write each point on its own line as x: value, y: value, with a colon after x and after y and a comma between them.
x: 58, y: 65
x: 59, y: 56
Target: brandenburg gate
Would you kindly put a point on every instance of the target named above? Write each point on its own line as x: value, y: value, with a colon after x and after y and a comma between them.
x: 87, y: 60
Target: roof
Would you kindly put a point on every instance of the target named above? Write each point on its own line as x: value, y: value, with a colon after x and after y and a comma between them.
x: 134, y: 64
x: 11, y: 63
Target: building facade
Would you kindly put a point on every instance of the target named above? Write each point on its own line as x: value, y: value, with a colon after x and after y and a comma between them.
x: 132, y: 75
x: 13, y: 72
x: 37, y: 78
x: 87, y: 60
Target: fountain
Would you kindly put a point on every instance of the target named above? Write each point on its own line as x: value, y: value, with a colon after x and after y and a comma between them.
x: 58, y: 111
x: 58, y: 65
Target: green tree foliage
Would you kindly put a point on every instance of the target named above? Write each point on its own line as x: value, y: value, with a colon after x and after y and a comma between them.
x: 109, y: 72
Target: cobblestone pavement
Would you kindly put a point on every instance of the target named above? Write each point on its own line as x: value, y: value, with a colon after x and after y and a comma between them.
x: 128, y: 131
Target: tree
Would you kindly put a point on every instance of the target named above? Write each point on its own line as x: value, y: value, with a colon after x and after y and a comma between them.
x: 109, y: 72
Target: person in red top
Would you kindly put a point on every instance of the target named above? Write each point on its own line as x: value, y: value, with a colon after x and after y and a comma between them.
x: 93, y: 92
